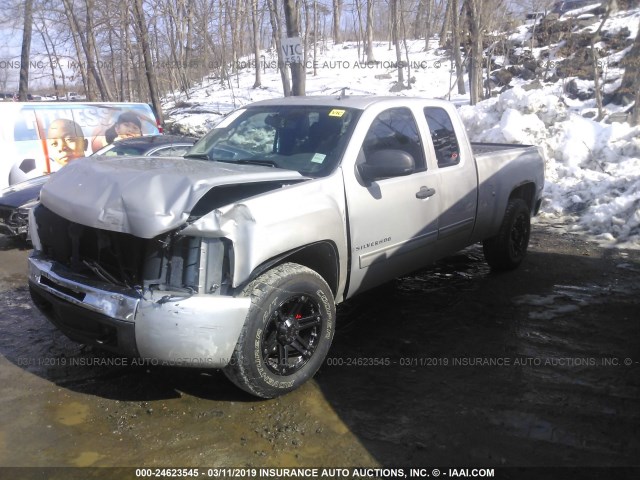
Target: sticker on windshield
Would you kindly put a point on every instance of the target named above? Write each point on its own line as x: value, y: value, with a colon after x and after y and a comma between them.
x: 318, y: 158
x: 336, y: 112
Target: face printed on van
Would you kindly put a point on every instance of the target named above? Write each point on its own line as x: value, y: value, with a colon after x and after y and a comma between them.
x: 65, y: 141
x: 128, y: 130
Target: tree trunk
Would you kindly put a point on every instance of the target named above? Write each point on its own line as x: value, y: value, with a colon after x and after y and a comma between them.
x: 146, y: 55
x: 92, y: 53
x: 292, y: 20
x: 124, y: 48
x: 417, y: 25
x: 369, y: 33
x: 337, y: 15
x: 188, y: 54
x: 595, y: 64
x: 50, y: 56
x: 274, y: 18
x: 445, y: 25
x: 427, y: 24
x: 474, y: 9
x: 256, y: 42
x: 315, y: 37
x: 627, y: 91
x: 395, y: 37
x: 55, y: 62
x: 75, y: 36
x: 455, y: 26
x: 359, y: 34
x: 23, y: 87
x: 88, y: 48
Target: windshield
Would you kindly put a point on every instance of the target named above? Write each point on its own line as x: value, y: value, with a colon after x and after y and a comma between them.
x: 308, y: 139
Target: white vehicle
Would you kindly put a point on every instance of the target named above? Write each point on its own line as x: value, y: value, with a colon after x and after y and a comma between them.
x: 28, y: 133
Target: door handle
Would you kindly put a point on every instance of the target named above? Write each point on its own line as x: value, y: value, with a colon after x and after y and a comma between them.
x: 425, y: 192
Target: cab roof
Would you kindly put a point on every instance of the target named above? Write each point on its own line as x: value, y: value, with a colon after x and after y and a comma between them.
x: 358, y: 102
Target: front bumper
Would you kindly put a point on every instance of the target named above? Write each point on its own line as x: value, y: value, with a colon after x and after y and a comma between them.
x: 196, y: 331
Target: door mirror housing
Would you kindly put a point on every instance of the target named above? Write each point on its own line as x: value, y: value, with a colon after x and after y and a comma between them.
x: 385, y: 164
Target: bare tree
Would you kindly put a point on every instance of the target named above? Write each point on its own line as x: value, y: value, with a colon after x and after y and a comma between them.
x: 474, y: 12
x: 428, y: 19
x: 395, y: 38
x: 369, y: 32
x: 445, y: 24
x: 594, y: 61
x: 628, y: 90
x: 88, y: 48
x: 292, y: 20
x: 276, y: 28
x: 256, y: 41
x: 53, y: 61
x: 75, y: 38
x: 23, y: 86
x: 93, y: 60
x: 455, y: 28
x: 315, y: 37
x: 139, y: 16
x: 337, y: 16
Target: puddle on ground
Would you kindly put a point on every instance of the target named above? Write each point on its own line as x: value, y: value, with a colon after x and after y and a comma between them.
x: 565, y: 299
x: 72, y: 413
x: 86, y: 459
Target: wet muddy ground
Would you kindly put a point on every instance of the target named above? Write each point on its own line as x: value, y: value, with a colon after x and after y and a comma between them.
x: 451, y: 367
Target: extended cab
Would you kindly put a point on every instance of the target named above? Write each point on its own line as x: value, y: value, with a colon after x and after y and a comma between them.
x: 235, y: 256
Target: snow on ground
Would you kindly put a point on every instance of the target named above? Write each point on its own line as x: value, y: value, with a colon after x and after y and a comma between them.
x: 592, y: 168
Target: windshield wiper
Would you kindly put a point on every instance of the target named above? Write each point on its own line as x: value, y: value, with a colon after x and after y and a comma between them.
x: 201, y: 156
x: 265, y: 163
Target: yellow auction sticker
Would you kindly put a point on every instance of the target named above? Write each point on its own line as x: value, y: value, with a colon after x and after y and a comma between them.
x: 336, y: 112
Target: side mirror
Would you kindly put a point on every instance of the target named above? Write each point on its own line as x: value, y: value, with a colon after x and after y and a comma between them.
x: 386, y: 163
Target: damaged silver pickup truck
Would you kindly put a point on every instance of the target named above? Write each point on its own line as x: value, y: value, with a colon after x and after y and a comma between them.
x: 235, y: 256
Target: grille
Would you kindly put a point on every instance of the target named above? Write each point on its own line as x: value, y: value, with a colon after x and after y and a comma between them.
x: 119, y: 258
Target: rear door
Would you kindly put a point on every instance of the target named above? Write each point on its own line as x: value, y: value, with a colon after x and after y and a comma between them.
x: 457, y: 180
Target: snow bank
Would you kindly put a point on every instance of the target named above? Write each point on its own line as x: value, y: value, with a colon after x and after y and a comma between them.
x: 592, y: 168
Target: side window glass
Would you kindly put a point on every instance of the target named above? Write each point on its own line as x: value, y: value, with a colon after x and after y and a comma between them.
x: 171, y: 151
x: 443, y: 136
x: 395, y: 129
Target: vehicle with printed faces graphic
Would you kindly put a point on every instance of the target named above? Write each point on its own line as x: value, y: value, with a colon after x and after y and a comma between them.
x: 17, y: 200
x: 236, y: 256
x: 39, y: 138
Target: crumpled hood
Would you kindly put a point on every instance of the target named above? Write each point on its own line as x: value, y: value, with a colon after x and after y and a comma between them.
x: 143, y: 196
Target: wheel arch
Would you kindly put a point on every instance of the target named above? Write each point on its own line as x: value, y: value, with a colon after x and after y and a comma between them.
x: 321, y: 257
x: 526, y: 192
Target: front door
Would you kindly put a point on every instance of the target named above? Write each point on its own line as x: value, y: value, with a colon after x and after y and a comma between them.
x: 393, y: 221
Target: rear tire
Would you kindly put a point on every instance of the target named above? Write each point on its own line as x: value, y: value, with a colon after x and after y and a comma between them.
x: 287, y: 332
x: 508, y: 248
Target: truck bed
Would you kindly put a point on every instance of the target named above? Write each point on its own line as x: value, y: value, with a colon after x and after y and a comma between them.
x: 500, y: 167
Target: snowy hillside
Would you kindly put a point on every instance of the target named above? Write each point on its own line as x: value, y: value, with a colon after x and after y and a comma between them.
x: 592, y: 168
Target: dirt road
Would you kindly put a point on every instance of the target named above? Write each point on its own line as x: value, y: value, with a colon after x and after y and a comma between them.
x: 450, y: 367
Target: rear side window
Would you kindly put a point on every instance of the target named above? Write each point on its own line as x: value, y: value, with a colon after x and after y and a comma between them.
x: 443, y: 136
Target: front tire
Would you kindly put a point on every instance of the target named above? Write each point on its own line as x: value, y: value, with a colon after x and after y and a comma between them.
x: 508, y: 248
x: 287, y: 332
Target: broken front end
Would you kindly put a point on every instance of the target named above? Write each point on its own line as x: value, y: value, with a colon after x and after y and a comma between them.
x: 162, y: 299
